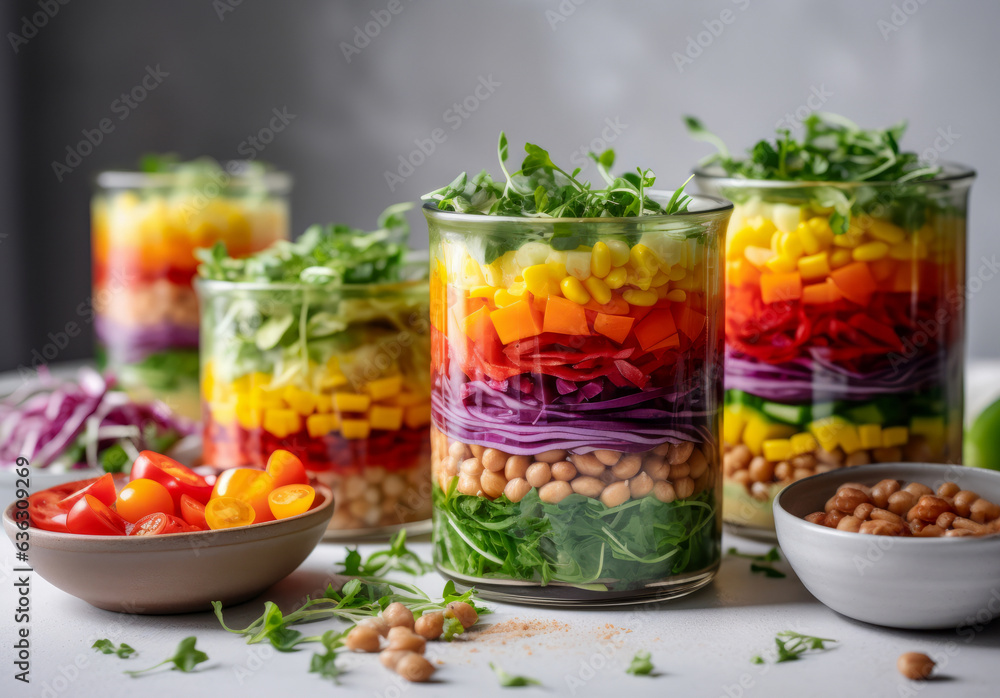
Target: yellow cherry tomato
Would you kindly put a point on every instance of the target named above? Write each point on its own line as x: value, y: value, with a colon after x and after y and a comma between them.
x: 250, y: 485
x: 228, y: 512
x: 142, y: 497
x: 291, y: 500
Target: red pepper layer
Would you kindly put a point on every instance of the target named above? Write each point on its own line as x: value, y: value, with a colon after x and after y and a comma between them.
x: 855, y: 337
x: 230, y: 446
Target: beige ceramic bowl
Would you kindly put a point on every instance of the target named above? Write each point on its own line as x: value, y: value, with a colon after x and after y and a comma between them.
x: 179, y: 572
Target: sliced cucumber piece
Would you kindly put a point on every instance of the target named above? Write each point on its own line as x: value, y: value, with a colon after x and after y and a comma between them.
x: 789, y: 414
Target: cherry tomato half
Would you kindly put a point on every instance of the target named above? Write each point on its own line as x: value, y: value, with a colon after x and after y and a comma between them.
x: 291, y: 500
x: 250, y: 485
x: 43, y: 507
x: 228, y: 512
x: 159, y: 524
x: 178, y: 479
x: 285, y: 468
x: 102, y: 489
x: 142, y: 497
x: 193, y: 512
x: 92, y: 517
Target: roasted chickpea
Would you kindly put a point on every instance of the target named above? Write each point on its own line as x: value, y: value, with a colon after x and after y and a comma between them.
x: 563, y: 470
x: 885, y: 515
x: 477, y: 450
x: 390, y: 658
x: 915, y: 665
x: 968, y: 525
x: 783, y: 471
x: 958, y: 533
x: 587, y: 486
x: 817, y: 517
x: 656, y: 467
x: 918, y: 489
x: 983, y: 511
x: 403, y: 638
x: 627, y: 466
x: 606, y: 457
x: 679, y: 453
x: 414, y: 667
x: 928, y: 531
x: 849, y: 523
x: 464, y: 612
x: 857, y: 458
x: 459, y: 451
x: 679, y: 471
x: 616, y: 494
x: 948, y: 489
x: 553, y: 456
x: 833, y: 518
x: 492, y: 483
x: 397, y: 615
x: 377, y: 624
x: 538, y: 474
x: 664, y: 491
x: 848, y: 499
x: 468, y: 484
x: 494, y: 460
x: 882, y: 491
x: 962, y: 501
x: 640, y: 485
x: 698, y: 463
x: 946, y: 519
x: 362, y: 638
x: 555, y: 491
x: 516, y: 489
x: 877, y: 527
x: 761, y: 470
x: 516, y: 466
x: 684, y: 487
x: 901, y: 502
x: 864, y: 511
x: 471, y: 467
x: 430, y: 625
x: 738, y: 458
x: 587, y: 464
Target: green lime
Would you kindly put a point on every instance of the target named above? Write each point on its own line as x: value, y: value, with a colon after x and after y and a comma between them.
x: 982, y: 440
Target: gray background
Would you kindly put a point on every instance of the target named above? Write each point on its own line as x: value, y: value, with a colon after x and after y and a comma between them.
x: 563, y: 70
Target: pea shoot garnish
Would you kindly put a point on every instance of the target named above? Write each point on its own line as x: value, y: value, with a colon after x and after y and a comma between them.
x: 761, y: 564
x: 185, y: 659
x: 792, y: 646
x: 641, y: 665
x: 510, y: 680
x: 106, y: 646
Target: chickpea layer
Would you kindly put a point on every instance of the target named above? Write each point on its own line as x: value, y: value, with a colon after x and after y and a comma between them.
x: 667, y: 472
x: 378, y: 497
x: 758, y: 475
x: 891, y: 508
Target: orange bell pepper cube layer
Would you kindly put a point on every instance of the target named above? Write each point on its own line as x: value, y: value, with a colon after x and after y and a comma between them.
x: 516, y: 321
x: 818, y: 294
x: 657, y: 326
x: 690, y: 322
x: 565, y: 316
x: 775, y: 288
x: 614, y: 327
x: 855, y: 281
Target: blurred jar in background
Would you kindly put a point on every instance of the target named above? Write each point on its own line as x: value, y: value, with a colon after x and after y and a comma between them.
x: 145, y: 228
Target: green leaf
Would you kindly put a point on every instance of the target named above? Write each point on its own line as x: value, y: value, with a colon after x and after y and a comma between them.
x: 108, y: 647
x: 792, y: 646
x: 452, y: 628
x: 511, y: 681
x: 641, y: 664
x: 114, y: 459
x: 185, y: 659
x: 325, y: 665
x: 761, y: 563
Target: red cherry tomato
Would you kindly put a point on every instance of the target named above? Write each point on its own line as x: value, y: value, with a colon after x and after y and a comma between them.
x: 43, y: 507
x: 193, y: 512
x: 178, y: 479
x: 92, y: 517
x: 285, y: 468
x: 159, y: 524
x: 250, y: 485
x: 142, y: 497
x: 103, y: 489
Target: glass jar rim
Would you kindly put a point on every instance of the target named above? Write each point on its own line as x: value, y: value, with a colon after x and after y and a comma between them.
x: 713, y: 205
x: 235, y: 171
x: 951, y: 173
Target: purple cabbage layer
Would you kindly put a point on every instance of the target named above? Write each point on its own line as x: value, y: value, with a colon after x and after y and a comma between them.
x: 129, y: 344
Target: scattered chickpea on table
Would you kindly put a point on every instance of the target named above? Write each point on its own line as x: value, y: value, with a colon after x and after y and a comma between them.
x: 891, y: 509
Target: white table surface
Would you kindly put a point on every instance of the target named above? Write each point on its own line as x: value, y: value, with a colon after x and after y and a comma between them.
x: 701, y: 644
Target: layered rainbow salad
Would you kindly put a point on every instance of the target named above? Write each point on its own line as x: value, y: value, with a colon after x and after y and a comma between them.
x: 575, y: 398
x: 320, y: 347
x: 844, y: 325
x: 145, y: 228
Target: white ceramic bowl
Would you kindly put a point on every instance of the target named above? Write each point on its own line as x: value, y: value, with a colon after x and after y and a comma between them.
x: 913, y: 583
x: 177, y: 572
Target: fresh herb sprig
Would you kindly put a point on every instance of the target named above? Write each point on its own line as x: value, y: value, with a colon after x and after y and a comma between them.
x: 832, y: 149
x: 396, y: 558
x: 762, y: 564
x: 106, y: 646
x: 642, y: 664
x: 792, y: 646
x: 541, y: 188
x: 356, y: 600
x: 510, y: 680
x: 323, y: 254
x: 185, y: 659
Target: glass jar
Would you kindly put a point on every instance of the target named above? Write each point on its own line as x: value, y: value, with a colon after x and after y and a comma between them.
x: 145, y: 228
x: 841, y: 349
x: 576, y: 391
x: 335, y: 374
